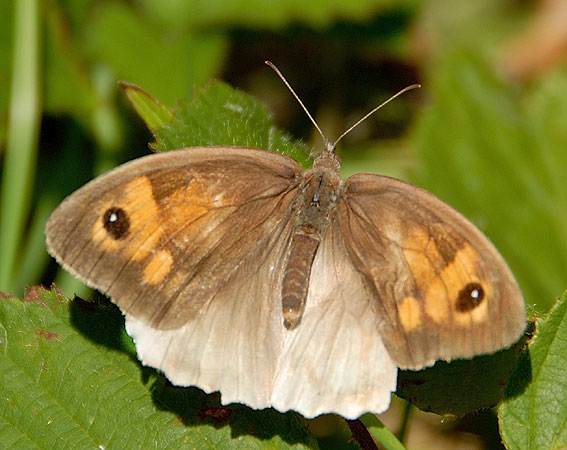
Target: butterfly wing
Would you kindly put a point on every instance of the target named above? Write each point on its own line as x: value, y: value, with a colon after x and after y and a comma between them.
x: 440, y: 289
x: 335, y: 360
x: 234, y: 343
x: 161, y: 235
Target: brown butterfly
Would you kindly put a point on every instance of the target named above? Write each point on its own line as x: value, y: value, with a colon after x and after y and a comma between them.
x: 240, y: 272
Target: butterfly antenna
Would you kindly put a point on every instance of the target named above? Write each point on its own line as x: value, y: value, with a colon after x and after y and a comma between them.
x: 328, y: 145
x: 352, y: 127
x: 275, y: 69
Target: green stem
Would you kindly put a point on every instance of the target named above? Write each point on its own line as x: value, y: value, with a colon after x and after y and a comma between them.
x: 381, y: 433
x: 405, y: 422
x: 22, y: 137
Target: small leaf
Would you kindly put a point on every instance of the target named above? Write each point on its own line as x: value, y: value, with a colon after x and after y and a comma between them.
x: 69, y: 378
x: 537, y: 417
x: 152, y: 112
x: 221, y: 115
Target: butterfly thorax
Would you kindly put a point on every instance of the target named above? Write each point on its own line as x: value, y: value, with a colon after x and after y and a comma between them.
x: 315, y: 208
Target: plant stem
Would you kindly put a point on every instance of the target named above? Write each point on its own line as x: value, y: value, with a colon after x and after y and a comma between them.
x: 381, y: 433
x: 22, y: 136
x: 405, y: 422
x: 361, y: 435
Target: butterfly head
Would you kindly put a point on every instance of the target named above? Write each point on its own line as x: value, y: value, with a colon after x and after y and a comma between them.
x: 328, y: 158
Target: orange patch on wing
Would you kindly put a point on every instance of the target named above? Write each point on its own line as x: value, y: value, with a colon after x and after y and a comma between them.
x: 440, y: 288
x: 189, y: 209
x: 437, y: 301
x: 416, y: 238
x: 468, y: 258
x: 420, y: 267
x: 456, y: 276
x: 187, y: 205
x: 143, y: 213
x: 182, y: 214
x: 158, y: 267
x: 145, y: 230
x: 429, y: 284
x: 409, y: 313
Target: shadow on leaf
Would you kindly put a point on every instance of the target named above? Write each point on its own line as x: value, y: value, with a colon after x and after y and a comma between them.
x: 102, y: 322
x: 463, y: 386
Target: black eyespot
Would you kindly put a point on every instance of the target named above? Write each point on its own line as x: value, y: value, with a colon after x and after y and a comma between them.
x: 116, y: 222
x: 470, y: 297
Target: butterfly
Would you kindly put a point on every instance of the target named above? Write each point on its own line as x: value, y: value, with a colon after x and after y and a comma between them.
x: 240, y: 272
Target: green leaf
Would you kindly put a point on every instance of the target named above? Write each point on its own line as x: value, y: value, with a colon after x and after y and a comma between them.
x: 461, y: 386
x: 257, y: 13
x: 221, y: 115
x: 152, y: 112
x: 166, y: 60
x: 68, y: 89
x: 69, y: 378
x: 536, y: 417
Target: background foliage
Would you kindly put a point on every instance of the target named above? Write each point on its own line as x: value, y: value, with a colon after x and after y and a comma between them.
x: 486, y: 133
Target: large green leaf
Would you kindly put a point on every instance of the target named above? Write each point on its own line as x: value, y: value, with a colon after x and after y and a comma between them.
x: 535, y: 415
x: 69, y: 378
x: 167, y: 61
x: 68, y: 88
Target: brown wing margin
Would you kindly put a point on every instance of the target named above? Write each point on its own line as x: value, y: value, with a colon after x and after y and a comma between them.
x: 441, y: 289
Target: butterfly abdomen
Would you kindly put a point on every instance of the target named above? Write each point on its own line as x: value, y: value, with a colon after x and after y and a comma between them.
x: 315, y: 210
x: 302, y: 249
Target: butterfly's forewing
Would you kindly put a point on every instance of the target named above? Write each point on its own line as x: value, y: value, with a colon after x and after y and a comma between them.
x: 439, y: 287
x: 162, y: 234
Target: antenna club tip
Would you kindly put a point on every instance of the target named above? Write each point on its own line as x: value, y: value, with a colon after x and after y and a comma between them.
x: 411, y: 87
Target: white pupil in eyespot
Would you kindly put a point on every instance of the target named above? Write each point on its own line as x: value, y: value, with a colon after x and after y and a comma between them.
x: 113, y: 217
x: 475, y: 293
